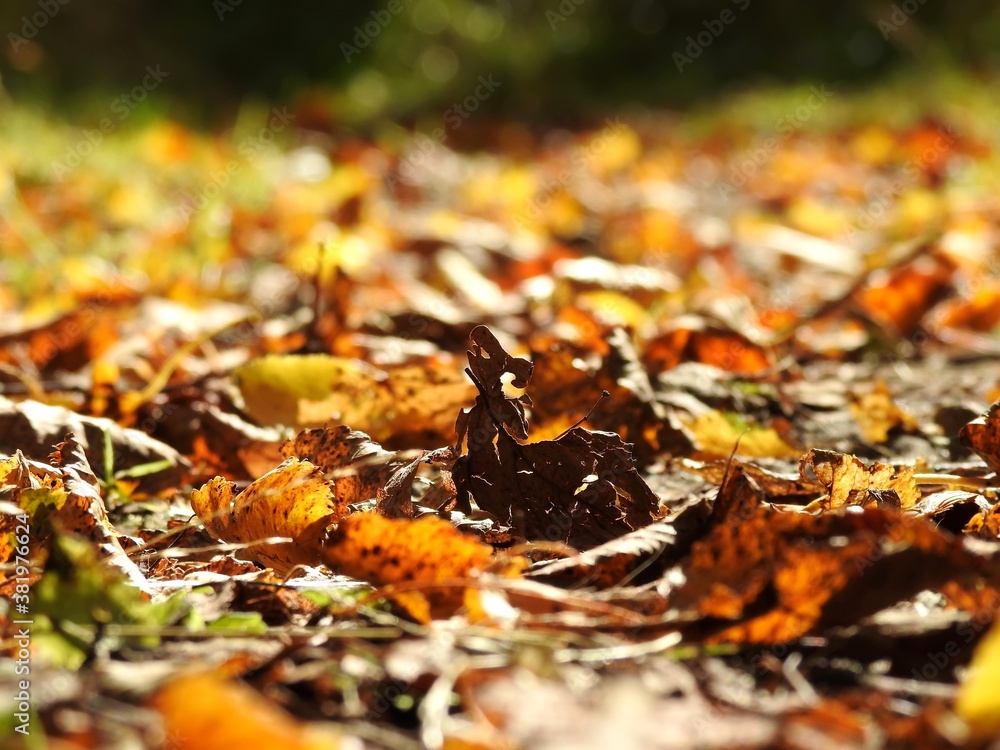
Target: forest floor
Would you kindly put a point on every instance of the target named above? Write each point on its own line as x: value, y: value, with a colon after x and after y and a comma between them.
x: 671, y: 430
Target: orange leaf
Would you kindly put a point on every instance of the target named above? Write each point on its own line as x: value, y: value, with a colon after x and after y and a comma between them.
x: 205, y: 711
x: 771, y: 577
x: 427, y: 551
x: 292, y: 500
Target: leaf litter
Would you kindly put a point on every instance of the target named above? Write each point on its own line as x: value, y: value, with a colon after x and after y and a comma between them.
x: 709, y: 478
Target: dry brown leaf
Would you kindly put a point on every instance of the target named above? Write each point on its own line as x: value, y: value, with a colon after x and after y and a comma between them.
x: 33, y: 428
x: 762, y: 576
x: 357, y: 466
x: 877, y: 414
x: 581, y: 489
x: 982, y: 435
x: 635, y: 558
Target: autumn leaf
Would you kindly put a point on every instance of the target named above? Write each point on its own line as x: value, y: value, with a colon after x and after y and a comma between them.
x: 293, y: 500
x: 762, y: 576
x: 60, y: 498
x: 581, y: 488
x: 429, y: 556
x: 850, y: 482
x: 634, y: 558
x: 400, y: 403
x: 204, y: 711
x: 982, y: 435
x: 356, y: 465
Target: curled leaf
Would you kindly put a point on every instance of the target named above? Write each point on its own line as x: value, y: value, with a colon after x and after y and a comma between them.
x: 293, y: 500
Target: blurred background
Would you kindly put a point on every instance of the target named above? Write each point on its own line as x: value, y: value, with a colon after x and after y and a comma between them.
x: 557, y: 60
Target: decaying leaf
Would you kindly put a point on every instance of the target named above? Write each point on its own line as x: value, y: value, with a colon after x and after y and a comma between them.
x: 850, y: 482
x: 581, y: 488
x: 982, y: 435
x: 429, y: 556
x: 33, y: 428
x: 762, y: 576
x: 356, y: 465
x: 60, y: 498
x: 566, y: 387
x: 635, y: 558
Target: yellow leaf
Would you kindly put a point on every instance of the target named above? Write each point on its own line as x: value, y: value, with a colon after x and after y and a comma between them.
x: 307, y: 389
x: 978, y: 700
x: 419, y: 399
x: 293, y: 500
x: 714, y: 433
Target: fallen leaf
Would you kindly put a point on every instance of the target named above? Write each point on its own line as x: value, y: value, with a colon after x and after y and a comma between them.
x: 581, y: 488
x: 716, y: 433
x: 293, y: 500
x: 429, y: 554
x: 631, y: 559
x: 61, y: 498
x: 693, y: 340
x: 978, y: 699
x: 405, y: 404
x: 877, y: 414
x: 849, y: 482
x: 762, y: 576
x: 982, y: 435
x: 356, y: 465
x: 206, y: 711
x: 33, y: 428
x: 901, y: 301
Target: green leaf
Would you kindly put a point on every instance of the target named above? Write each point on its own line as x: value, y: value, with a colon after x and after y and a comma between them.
x: 249, y: 623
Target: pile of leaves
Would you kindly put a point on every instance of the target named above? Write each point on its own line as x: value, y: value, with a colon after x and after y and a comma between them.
x: 591, y: 438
